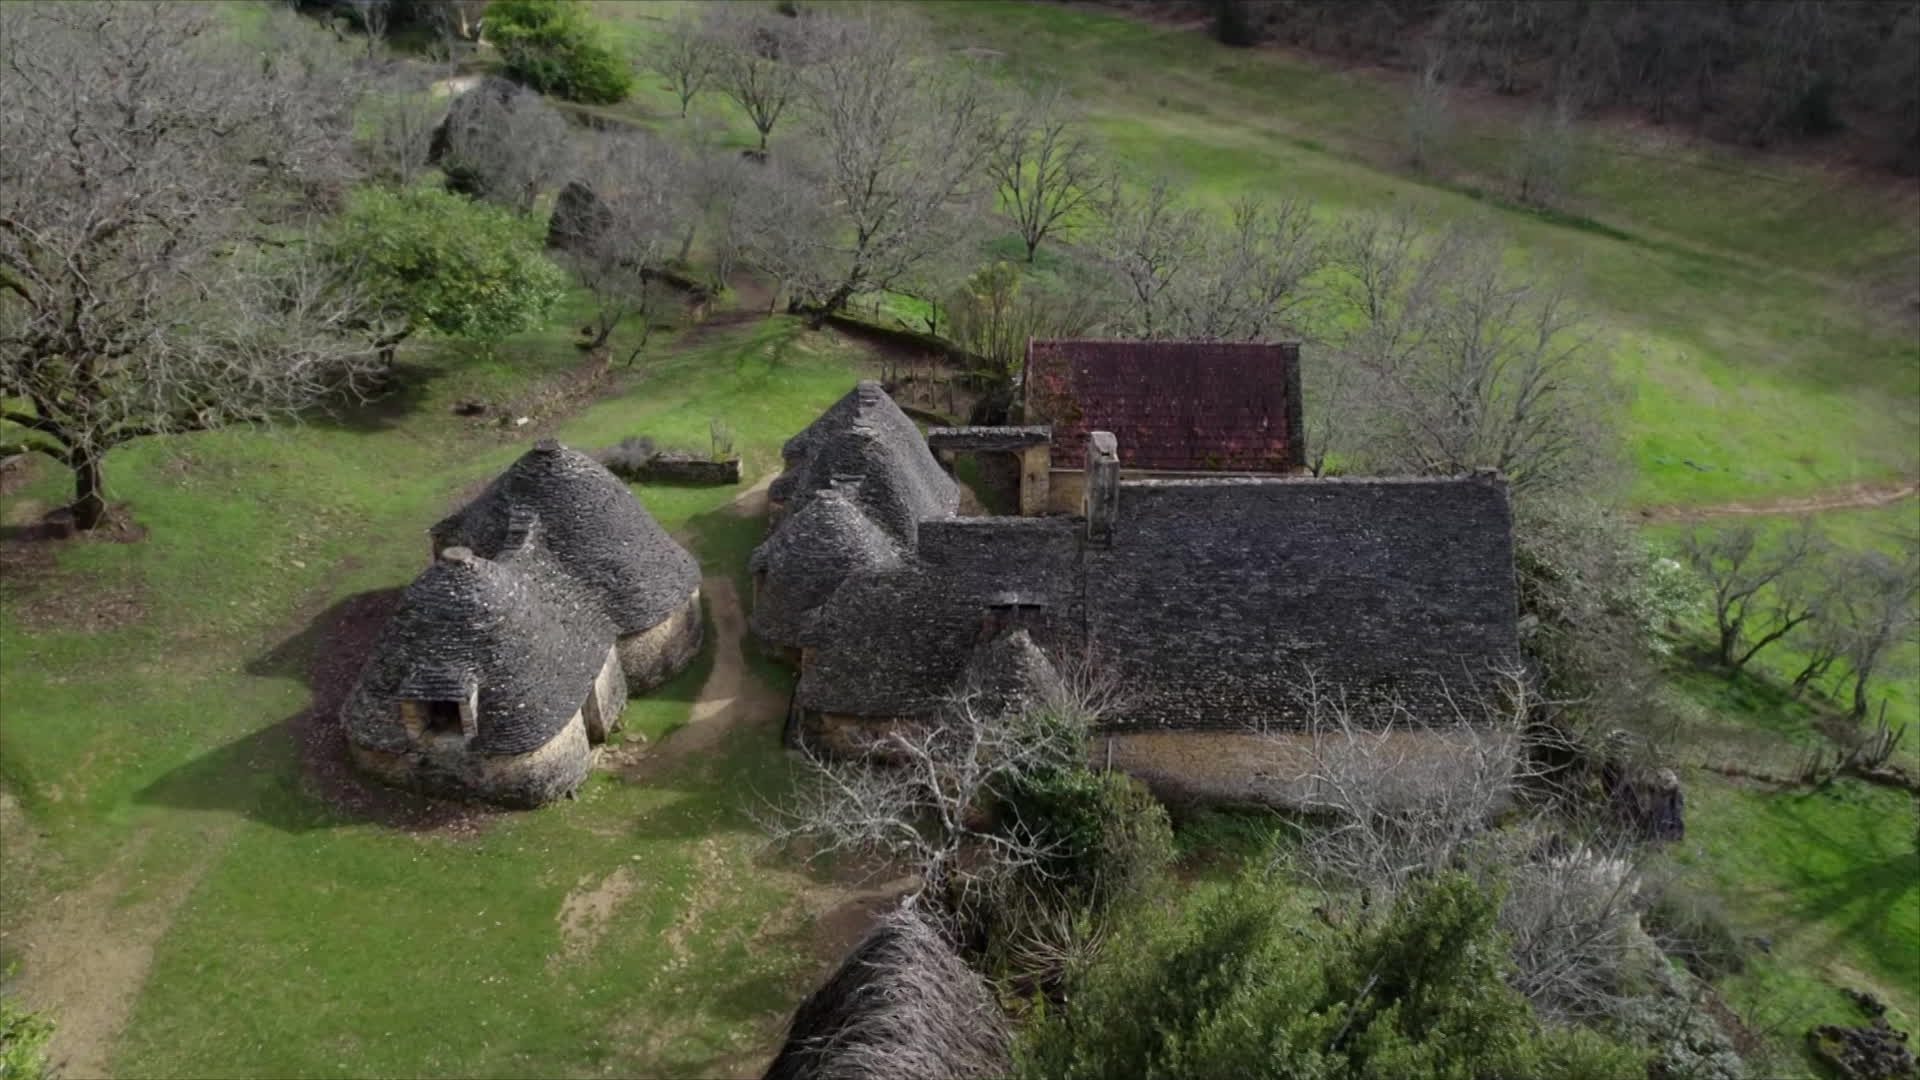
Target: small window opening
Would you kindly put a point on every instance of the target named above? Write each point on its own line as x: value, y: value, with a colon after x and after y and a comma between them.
x: 443, y: 718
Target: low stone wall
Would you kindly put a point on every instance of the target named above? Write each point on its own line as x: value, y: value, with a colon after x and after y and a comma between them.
x: 653, y: 656
x: 444, y: 768
x: 672, y: 468
x: 1275, y: 770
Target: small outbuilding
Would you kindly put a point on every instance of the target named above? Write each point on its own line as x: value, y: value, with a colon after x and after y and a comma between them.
x: 510, y: 658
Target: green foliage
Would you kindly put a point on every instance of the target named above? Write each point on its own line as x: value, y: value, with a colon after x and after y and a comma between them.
x: 556, y: 48
x: 1226, y: 987
x: 23, y: 1042
x: 447, y: 264
x: 1113, y: 833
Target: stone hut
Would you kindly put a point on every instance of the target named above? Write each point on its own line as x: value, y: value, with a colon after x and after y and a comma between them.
x: 492, y: 679
x: 1215, y: 601
x: 1176, y: 409
x: 593, y: 528
x: 859, y: 486
x: 509, y: 659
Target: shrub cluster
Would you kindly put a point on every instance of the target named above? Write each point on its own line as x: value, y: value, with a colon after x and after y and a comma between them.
x: 555, y: 48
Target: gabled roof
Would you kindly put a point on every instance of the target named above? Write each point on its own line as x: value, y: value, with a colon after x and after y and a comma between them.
x: 591, y: 527
x: 1216, y: 600
x: 530, y: 646
x: 827, y: 541
x: 864, y: 436
x: 1203, y: 406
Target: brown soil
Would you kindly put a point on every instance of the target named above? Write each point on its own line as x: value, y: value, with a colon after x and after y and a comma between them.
x: 17, y: 471
x: 37, y: 592
x: 1851, y: 497
x: 587, y: 912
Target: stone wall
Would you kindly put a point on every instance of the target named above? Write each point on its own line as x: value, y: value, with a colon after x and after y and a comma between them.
x: 443, y: 767
x: 606, y: 701
x: 1273, y: 770
x: 653, y: 656
x: 690, y: 469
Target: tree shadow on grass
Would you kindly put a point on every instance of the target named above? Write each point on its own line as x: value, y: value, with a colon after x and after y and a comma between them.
x: 297, y: 775
x: 401, y: 394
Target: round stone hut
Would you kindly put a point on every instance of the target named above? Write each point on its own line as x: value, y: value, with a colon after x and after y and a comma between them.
x: 492, y: 680
x: 592, y: 530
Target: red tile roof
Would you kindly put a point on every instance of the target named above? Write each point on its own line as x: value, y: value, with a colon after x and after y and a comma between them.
x: 1204, y: 406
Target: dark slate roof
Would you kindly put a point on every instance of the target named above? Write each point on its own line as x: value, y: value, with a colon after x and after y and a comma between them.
x: 532, y: 645
x: 865, y: 436
x: 1174, y: 405
x: 1007, y: 672
x: 977, y: 438
x: 1215, y: 599
x: 899, y: 641
x: 828, y: 540
x: 1218, y: 597
x: 592, y: 527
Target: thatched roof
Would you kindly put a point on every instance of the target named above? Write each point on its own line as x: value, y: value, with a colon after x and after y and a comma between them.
x: 901, y: 1006
x: 864, y: 436
x: 590, y: 524
x: 525, y: 640
x: 829, y: 540
x: 1174, y: 405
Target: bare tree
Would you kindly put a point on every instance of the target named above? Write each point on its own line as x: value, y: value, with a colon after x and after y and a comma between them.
x: 1151, y: 243
x: 1543, y: 160
x: 1878, y: 618
x: 1469, y: 364
x: 140, y: 292
x: 397, y: 120
x: 1252, y: 283
x: 456, y: 19
x: 758, y: 58
x: 916, y: 796
x: 783, y: 221
x: 684, y: 55
x: 505, y: 144
x: 626, y: 232
x: 1045, y: 169
x: 1759, y: 591
x: 902, y: 139
x: 1429, y: 113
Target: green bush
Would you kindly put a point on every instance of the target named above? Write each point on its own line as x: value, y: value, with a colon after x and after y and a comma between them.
x: 554, y: 47
x: 1113, y: 834
x: 446, y: 264
x: 23, y: 1043
x: 1225, y: 987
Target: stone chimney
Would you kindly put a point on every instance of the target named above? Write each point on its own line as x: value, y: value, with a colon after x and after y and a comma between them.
x: 1101, y: 504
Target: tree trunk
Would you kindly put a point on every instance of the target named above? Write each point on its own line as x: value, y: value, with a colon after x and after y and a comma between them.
x: 1032, y: 246
x: 89, y: 507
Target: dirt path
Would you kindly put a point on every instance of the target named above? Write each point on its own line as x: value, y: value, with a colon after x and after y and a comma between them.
x: 731, y: 695
x: 87, y: 955
x: 1851, y: 497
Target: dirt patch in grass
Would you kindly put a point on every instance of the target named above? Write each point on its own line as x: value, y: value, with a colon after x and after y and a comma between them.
x: 38, y: 593
x: 17, y: 471
x: 587, y: 911
x: 1850, y: 497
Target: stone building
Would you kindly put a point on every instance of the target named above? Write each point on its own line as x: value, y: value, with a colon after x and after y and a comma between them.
x: 1218, y: 602
x: 551, y: 597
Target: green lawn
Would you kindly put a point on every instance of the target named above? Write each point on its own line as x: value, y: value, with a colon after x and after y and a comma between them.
x: 291, y: 937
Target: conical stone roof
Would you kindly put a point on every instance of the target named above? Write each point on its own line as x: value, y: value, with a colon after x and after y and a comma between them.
x: 827, y: 541
x: 593, y: 528
x: 467, y: 622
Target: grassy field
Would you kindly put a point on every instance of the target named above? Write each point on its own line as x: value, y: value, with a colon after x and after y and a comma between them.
x: 637, y: 931
x: 214, y: 914
x: 1746, y: 301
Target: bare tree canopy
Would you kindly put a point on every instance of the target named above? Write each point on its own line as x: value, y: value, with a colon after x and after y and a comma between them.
x: 901, y: 141
x: 630, y: 183
x: 145, y: 154
x: 1044, y: 168
x: 1467, y: 364
x: 1759, y: 589
x: 505, y: 144
x: 685, y: 55
x: 758, y: 57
